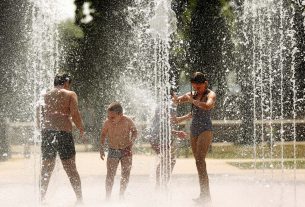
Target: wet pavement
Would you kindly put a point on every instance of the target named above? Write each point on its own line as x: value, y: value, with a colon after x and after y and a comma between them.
x: 230, y: 186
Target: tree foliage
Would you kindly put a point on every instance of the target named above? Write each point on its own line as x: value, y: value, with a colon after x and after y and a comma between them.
x: 204, y: 33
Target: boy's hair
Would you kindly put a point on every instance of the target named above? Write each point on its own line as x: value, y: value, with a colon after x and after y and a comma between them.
x: 198, y: 77
x: 60, y: 79
x: 172, y: 91
x: 115, y: 107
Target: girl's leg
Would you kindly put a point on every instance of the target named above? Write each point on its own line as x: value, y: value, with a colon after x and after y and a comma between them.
x: 200, y: 146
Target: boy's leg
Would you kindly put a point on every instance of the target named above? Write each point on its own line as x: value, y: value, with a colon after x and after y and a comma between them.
x: 70, y: 168
x: 156, y: 149
x: 112, y: 165
x: 173, y: 158
x: 126, y: 163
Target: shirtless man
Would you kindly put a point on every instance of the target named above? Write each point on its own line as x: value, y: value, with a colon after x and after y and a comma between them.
x: 121, y: 133
x: 60, y: 105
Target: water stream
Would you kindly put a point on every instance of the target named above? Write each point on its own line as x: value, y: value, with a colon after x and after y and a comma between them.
x: 266, y: 40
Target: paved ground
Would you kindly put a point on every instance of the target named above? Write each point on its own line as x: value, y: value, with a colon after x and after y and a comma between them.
x: 230, y: 186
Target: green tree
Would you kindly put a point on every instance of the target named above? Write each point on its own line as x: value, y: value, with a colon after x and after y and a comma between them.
x: 105, y: 47
x: 104, y: 54
x: 204, y: 33
x: 12, y: 45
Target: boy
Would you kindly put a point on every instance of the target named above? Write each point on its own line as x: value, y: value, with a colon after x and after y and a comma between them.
x: 121, y: 133
x: 164, y: 144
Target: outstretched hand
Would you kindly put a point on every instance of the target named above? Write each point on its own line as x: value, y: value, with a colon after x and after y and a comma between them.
x: 83, y: 136
x: 182, y: 134
x: 102, y: 153
x: 190, y: 98
x: 189, y: 115
x: 175, y: 98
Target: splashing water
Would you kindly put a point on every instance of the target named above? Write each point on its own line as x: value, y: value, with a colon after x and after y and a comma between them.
x: 269, y: 50
x: 151, y: 60
x: 146, y: 83
x: 43, y: 54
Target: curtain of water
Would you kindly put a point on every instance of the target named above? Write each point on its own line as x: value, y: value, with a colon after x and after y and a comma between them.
x: 272, y: 42
x: 271, y: 75
x: 161, y: 88
x: 294, y: 50
x: 254, y: 87
x: 42, y: 63
x: 273, y: 49
x: 282, y: 13
x: 281, y: 66
x: 260, y: 76
x: 134, y: 88
x: 152, y: 23
x: 161, y: 28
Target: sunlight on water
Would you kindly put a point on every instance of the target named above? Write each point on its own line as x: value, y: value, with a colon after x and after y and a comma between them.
x: 267, y: 36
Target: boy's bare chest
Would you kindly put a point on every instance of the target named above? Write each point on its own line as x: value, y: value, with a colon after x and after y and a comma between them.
x: 119, y: 130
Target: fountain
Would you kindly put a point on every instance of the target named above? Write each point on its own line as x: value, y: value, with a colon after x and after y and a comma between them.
x: 269, y: 51
x: 265, y: 48
x: 151, y: 59
x: 34, y: 77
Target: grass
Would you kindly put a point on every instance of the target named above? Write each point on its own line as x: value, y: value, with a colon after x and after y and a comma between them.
x: 230, y: 151
x: 286, y: 164
x: 280, y: 156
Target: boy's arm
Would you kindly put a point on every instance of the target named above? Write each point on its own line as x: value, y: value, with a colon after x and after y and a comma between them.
x: 134, y: 132
x: 38, y: 115
x: 179, y: 119
x: 180, y: 134
x: 103, y: 139
x: 183, y: 99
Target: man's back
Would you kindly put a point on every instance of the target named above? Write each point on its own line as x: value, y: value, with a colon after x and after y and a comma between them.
x: 57, y: 111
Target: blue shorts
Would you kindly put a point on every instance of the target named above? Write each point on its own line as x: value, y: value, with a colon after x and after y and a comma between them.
x: 119, y: 153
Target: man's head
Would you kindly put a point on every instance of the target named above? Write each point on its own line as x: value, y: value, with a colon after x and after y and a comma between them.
x: 199, y: 81
x: 61, y: 79
x: 115, y: 112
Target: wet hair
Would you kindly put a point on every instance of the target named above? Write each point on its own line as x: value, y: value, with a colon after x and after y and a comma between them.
x: 172, y: 91
x: 60, y: 79
x: 198, y: 77
x: 115, y: 107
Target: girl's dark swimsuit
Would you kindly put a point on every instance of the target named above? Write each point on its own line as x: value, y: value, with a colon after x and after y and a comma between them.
x: 201, y: 121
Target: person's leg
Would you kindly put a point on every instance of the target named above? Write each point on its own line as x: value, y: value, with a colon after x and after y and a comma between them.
x: 156, y: 148
x: 48, y: 153
x: 46, y: 172
x: 70, y: 168
x: 200, y: 148
x: 112, y: 165
x: 66, y: 150
x: 126, y: 163
x: 173, y: 158
x: 168, y: 161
